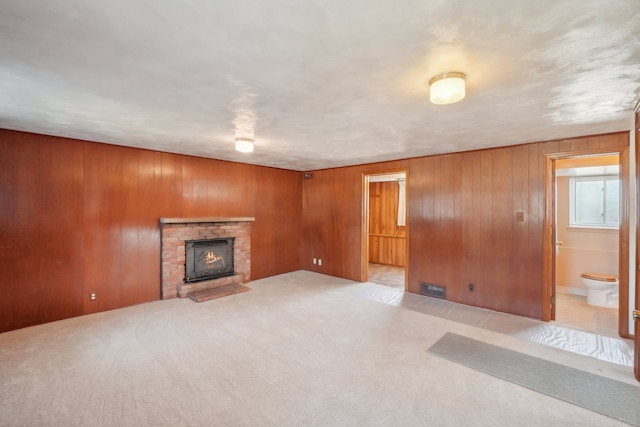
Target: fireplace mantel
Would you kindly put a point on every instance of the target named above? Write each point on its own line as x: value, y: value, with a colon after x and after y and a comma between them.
x: 205, y: 220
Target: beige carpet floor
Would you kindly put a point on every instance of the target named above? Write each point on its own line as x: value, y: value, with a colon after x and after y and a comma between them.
x: 298, y: 349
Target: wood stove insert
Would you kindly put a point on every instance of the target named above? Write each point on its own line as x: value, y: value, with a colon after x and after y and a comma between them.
x: 208, y: 259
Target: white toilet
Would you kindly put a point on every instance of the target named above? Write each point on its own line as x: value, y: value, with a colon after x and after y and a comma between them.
x: 602, y: 289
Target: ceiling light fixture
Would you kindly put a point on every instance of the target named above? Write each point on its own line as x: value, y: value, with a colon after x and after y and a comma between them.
x: 244, y: 145
x: 447, y: 88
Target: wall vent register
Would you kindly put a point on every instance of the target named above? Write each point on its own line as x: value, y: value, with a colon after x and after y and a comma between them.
x: 431, y: 290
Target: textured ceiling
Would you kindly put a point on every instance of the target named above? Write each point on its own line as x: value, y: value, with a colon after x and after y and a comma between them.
x: 321, y: 83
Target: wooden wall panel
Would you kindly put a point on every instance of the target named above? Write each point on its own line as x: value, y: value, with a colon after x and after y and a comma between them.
x: 332, y: 218
x: 343, y: 219
x: 415, y: 216
x: 218, y: 188
x: 94, y: 211
x: 150, y: 192
x: 102, y: 226
x: 81, y: 217
x: 130, y: 248
x: 8, y: 227
x: 28, y: 228
x: 520, y: 230
x: 503, y: 220
x: 61, y: 245
x: 276, y: 233
x: 314, y: 227
x: 462, y: 225
x: 470, y: 253
x: 421, y: 233
x: 38, y: 244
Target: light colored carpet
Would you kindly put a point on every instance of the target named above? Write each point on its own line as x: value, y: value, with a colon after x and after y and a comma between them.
x: 298, y: 349
x: 612, y: 398
x: 615, y: 350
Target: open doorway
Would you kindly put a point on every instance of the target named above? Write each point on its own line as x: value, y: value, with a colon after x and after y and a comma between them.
x: 587, y: 217
x: 549, y: 294
x: 385, y: 229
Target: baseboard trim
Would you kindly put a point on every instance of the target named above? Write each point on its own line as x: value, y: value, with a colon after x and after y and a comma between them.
x: 571, y: 291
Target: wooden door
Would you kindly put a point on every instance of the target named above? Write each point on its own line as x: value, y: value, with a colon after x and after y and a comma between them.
x: 549, y: 241
x: 636, y: 311
x: 554, y: 234
x: 636, y: 322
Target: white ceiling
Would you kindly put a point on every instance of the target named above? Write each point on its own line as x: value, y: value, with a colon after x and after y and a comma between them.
x: 321, y: 83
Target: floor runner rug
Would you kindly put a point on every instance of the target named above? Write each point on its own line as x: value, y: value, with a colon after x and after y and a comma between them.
x: 612, y: 398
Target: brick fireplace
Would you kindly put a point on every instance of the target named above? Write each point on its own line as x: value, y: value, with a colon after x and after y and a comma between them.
x: 174, y: 234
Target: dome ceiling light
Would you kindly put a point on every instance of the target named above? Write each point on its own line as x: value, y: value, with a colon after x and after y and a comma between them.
x: 244, y: 145
x: 447, y: 88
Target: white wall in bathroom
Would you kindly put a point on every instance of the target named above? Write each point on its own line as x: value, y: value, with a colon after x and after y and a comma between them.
x: 583, y: 249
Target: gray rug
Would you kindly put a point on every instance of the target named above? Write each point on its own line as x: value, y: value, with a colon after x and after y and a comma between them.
x: 612, y: 398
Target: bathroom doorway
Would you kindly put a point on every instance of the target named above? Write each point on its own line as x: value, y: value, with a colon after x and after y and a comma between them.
x: 385, y: 230
x: 550, y: 231
x: 587, y: 218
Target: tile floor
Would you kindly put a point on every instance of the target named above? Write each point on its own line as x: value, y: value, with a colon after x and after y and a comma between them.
x: 572, y: 311
x: 386, y: 275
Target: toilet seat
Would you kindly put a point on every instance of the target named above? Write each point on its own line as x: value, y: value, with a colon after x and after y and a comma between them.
x: 599, y: 276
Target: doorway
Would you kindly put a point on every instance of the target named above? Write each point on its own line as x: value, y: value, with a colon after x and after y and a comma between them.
x: 549, y: 295
x: 384, y: 259
x: 587, y: 214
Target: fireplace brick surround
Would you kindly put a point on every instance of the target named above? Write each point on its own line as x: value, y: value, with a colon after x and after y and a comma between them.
x: 174, y: 233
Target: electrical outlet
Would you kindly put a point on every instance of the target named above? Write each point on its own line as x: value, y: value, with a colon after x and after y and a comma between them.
x: 520, y: 216
x: 92, y: 297
x: 315, y: 260
x: 319, y: 261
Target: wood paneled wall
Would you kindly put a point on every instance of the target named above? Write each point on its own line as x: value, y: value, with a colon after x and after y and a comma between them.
x: 333, y: 218
x: 79, y: 217
x: 462, y: 225
x: 386, y: 239
x: 464, y: 229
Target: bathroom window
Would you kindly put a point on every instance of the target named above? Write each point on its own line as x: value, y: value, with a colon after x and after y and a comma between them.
x: 595, y: 201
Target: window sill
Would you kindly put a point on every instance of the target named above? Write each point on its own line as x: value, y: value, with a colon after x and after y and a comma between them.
x: 592, y: 229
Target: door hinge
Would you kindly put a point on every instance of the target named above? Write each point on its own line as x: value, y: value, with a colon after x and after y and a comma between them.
x: 553, y: 300
x: 636, y: 314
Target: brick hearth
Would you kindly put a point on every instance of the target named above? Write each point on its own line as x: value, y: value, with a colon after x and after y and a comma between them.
x: 174, y: 233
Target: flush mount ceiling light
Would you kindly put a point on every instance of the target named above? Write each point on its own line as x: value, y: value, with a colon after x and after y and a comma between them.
x: 447, y: 88
x: 244, y: 145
